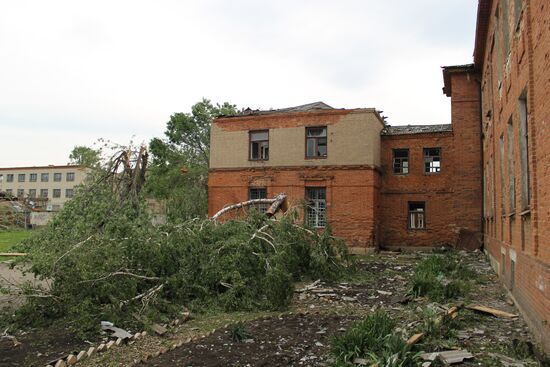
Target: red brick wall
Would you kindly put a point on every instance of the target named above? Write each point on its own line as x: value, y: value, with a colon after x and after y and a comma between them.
x: 520, y: 236
x: 351, y: 195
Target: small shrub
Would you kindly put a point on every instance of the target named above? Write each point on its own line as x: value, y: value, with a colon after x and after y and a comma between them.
x: 239, y: 332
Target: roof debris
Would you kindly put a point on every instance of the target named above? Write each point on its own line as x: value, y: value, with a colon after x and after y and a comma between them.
x: 416, y: 129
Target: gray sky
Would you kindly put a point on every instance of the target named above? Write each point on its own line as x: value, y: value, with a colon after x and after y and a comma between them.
x: 75, y: 71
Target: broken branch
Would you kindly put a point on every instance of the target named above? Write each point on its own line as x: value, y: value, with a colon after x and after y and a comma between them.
x: 275, y: 204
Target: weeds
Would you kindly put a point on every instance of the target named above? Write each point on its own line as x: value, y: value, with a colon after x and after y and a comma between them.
x: 375, y: 340
x: 239, y: 332
x: 441, y: 277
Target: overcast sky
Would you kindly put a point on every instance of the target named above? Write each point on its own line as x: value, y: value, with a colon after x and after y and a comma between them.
x: 75, y: 71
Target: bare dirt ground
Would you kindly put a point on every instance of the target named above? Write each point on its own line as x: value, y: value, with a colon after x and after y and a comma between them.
x: 302, y: 337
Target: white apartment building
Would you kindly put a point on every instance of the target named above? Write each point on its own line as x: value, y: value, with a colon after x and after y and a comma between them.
x: 51, y: 186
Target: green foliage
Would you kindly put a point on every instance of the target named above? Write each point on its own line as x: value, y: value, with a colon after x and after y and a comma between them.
x: 85, y: 156
x: 375, y: 340
x: 239, y: 332
x: 187, y: 147
x: 11, y: 238
x: 105, y: 261
x: 441, y: 277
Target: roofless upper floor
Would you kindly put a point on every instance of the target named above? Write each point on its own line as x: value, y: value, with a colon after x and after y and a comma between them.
x: 308, y: 135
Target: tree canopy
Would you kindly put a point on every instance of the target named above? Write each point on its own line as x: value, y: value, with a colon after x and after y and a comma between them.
x: 85, y: 156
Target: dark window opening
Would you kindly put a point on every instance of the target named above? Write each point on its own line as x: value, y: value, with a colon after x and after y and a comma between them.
x: 316, y: 207
x: 255, y: 193
x: 417, y: 215
x: 401, y: 161
x: 524, y: 152
x: 316, y: 142
x: 432, y: 160
x: 259, y: 145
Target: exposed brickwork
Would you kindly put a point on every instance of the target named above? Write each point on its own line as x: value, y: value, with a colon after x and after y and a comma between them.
x: 517, y: 237
x: 351, y: 195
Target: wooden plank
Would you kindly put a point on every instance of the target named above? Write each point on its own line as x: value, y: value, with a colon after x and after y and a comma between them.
x: 492, y: 311
x: 415, y: 338
x: 13, y: 254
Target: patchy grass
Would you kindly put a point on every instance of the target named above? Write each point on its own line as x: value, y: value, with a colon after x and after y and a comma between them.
x: 374, y: 339
x: 441, y: 277
x: 8, y: 239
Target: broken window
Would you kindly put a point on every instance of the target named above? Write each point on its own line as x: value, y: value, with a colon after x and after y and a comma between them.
x: 401, y: 161
x: 258, y: 193
x: 511, y: 167
x: 432, y: 160
x: 524, y: 152
x: 259, y: 145
x: 316, y: 207
x: 417, y: 213
x: 20, y: 193
x: 316, y: 142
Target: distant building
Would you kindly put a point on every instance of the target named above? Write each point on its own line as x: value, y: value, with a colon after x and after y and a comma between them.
x: 47, y: 188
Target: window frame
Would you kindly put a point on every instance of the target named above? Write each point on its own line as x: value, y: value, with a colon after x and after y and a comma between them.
x: 21, y: 177
x: 32, y: 193
x: 424, y: 160
x: 46, y: 191
x: 250, y: 132
x: 33, y: 177
x: 262, y: 208
x: 56, y: 175
x: 70, y: 176
x: 10, y: 177
x: 20, y: 193
x: 316, y: 141
x: 46, y: 175
x: 412, y: 212
x: 309, y: 207
x: 58, y: 191
x: 69, y: 196
x: 401, y: 162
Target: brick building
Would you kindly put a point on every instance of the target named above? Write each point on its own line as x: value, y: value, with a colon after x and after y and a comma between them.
x: 512, y: 59
x: 376, y: 185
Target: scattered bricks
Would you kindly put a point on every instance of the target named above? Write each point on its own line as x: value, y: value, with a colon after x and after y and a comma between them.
x: 60, y: 363
x: 90, y: 351
x: 81, y: 355
x: 109, y: 344
x: 101, y: 347
x: 71, y: 359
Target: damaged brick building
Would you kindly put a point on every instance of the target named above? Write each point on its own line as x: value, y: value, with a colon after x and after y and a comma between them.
x: 485, y: 178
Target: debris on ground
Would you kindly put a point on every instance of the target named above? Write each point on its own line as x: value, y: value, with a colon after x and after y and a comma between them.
x: 492, y: 311
x: 449, y: 356
x: 117, y: 332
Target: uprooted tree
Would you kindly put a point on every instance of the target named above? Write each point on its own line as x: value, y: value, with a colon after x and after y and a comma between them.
x: 102, y: 259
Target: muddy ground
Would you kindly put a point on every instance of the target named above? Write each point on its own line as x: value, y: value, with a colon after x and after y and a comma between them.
x: 303, y: 336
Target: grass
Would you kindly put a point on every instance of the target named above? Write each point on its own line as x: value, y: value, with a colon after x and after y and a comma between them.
x: 10, y: 238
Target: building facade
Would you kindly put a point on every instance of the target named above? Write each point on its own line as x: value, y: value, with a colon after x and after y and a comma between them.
x: 511, y: 57
x: 47, y: 187
x: 375, y: 185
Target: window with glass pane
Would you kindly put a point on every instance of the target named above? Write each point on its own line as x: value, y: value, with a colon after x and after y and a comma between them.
x: 259, y: 145
x: 21, y: 177
x: 43, y: 193
x: 69, y: 193
x: 32, y: 193
x: 258, y: 193
x: 56, y: 193
x: 417, y: 214
x: 432, y: 160
x: 316, y: 142
x: 70, y: 176
x: 57, y: 176
x: 20, y: 193
x: 316, y: 207
x: 400, y: 161
x: 33, y: 177
x: 9, y: 177
x: 44, y: 177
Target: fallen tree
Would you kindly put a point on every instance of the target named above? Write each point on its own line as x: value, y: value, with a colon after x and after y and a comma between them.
x: 104, y: 260
x: 275, y: 204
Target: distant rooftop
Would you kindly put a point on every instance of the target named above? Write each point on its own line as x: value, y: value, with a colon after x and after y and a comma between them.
x: 302, y: 108
x: 416, y: 129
